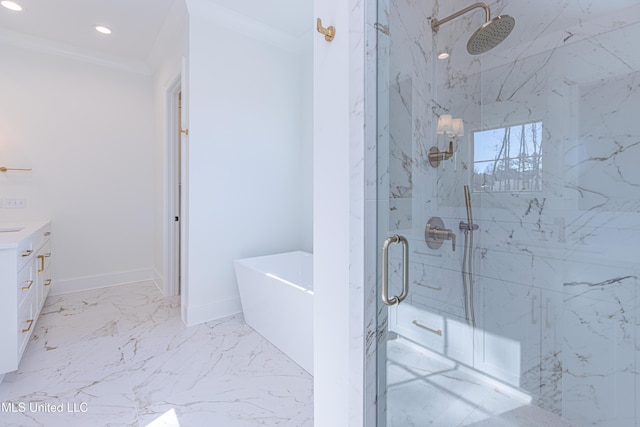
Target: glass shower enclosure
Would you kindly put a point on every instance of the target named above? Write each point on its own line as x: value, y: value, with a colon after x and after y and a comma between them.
x: 508, y: 218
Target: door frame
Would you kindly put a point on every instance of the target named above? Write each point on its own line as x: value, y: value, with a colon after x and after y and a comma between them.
x: 174, y: 163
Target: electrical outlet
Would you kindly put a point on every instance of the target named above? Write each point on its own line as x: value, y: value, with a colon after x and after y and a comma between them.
x: 14, y: 203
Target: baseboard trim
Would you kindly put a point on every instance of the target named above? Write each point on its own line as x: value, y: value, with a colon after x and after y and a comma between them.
x: 101, y: 281
x: 213, y: 311
x: 157, y: 279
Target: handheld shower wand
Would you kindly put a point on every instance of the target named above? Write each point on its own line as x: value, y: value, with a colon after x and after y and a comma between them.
x: 469, y: 225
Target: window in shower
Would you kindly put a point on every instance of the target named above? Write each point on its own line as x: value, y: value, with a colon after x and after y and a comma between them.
x: 508, y: 159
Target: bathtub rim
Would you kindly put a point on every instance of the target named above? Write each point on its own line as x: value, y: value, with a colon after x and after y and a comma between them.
x: 257, y: 263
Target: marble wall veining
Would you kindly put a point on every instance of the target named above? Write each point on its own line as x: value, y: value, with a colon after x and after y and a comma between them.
x: 556, y: 270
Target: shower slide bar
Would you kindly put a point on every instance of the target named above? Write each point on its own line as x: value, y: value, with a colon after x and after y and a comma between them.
x: 467, y: 260
x: 385, y: 270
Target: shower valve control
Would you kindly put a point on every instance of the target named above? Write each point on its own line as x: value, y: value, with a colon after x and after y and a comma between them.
x: 435, y: 233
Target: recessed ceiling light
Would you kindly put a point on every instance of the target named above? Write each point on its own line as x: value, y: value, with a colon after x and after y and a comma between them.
x: 11, y: 5
x: 102, y: 29
x: 443, y: 55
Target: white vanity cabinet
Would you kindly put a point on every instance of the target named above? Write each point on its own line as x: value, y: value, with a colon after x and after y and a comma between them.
x: 25, y: 277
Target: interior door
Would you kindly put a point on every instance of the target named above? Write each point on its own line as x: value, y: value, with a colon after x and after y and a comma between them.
x: 183, y: 192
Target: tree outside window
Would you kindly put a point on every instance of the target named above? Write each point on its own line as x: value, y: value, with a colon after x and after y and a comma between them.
x: 508, y: 159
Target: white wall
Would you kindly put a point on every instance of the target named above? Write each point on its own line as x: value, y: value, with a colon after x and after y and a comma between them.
x: 339, y: 200
x: 86, y: 131
x: 245, y: 151
x: 95, y: 136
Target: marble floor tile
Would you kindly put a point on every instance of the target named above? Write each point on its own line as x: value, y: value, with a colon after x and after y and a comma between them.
x: 121, y: 356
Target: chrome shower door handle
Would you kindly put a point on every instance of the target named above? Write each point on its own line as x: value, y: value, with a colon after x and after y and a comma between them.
x: 385, y: 270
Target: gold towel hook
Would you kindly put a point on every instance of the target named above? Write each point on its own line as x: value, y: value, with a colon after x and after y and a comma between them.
x: 329, y: 32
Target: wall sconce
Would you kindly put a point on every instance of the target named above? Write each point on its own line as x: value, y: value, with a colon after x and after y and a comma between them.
x: 447, y: 125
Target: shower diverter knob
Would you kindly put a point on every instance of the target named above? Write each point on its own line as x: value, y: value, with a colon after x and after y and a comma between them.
x: 435, y: 233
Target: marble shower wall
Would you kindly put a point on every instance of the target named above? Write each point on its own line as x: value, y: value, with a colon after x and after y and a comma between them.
x: 556, y: 270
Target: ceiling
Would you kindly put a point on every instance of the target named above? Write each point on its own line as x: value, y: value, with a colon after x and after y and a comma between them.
x: 135, y: 23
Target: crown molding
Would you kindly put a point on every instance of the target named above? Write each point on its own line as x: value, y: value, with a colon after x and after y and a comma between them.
x: 41, y: 45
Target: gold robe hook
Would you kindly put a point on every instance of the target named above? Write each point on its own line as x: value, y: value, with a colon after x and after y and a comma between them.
x: 329, y: 32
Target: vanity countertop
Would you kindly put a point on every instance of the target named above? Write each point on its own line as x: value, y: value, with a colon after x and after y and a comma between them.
x: 10, y: 239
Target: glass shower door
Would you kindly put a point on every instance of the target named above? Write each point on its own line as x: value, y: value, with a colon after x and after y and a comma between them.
x: 511, y: 176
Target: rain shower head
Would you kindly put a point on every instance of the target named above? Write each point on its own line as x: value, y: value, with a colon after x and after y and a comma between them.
x: 491, y: 34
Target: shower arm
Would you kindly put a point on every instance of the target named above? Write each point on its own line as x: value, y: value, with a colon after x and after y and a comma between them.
x: 435, y: 23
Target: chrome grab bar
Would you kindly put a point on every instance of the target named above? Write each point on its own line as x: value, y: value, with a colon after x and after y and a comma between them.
x: 385, y: 270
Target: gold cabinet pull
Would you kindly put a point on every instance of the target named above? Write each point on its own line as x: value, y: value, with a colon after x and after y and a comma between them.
x: 185, y: 131
x: 42, y: 257
x: 30, y: 323
x: 28, y: 283
x: 48, y: 282
x: 27, y: 252
x: 329, y: 32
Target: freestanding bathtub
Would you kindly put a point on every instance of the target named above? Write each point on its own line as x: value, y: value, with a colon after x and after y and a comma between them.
x: 276, y: 292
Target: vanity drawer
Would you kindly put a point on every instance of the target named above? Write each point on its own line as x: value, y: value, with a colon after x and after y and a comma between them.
x: 42, y: 236
x: 26, y: 321
x: 29, y: 246
x: 26, y: 282
x: 26, y: 250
